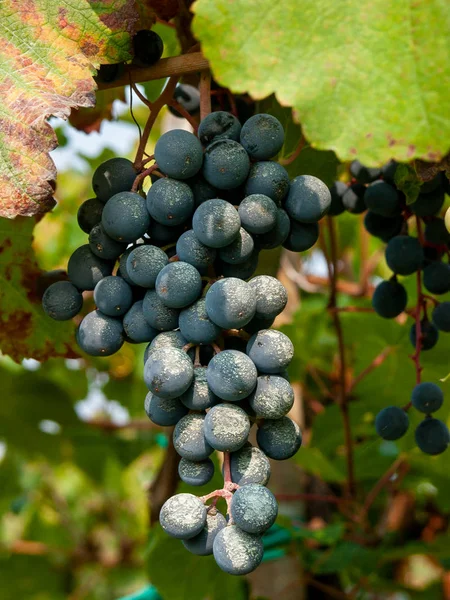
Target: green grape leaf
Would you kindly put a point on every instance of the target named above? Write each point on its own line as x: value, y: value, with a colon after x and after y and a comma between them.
x: 407, y: 181
x: 25, y: 330
x: 170, y: 567
x: 47, y: 70
x: 367, y: 80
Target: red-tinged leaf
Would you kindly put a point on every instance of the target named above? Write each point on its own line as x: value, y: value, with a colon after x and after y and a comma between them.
x: 49, y: 52
x: 90, y: 119
x: 25, y: 330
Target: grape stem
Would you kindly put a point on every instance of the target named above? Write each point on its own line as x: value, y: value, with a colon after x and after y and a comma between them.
x: 377, y: 361
x: 295, y: 154
x: 184, y: 113
x: 205, y: 93
x: 145, y: 173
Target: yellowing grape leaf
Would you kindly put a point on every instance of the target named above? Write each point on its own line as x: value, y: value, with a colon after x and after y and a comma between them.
x: 367, y: 78
x: 48, y: 54
x: 25, y: 330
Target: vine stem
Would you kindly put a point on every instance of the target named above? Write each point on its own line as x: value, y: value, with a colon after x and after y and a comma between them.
x: 342, y: 401
x: 205, y: 93
x: 380, y: 484
x: 295, y: 154
x: 377, y: 361
x: 191, y: 62
x: 155, y: 108
x: 142, y: 176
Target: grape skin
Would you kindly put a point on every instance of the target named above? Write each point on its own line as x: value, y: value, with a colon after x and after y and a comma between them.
x: 430, y: 335
x: 113, y: 296
x: 270, y: 350
x: 199, y: 395
x: 432, y: 436
x: 219, y: 125
x: 195, y: 324
x: 125, y: 217
x: 62, y: 301
x: 271, y: 296
x: 308, y: 199
x: 337, y: 190
x: 226, y: 164
x: 404, y: 255
x: 196, y: 472
x: 258, y: 213
x: 157, y: 314
x: 216, y: 223
x: 179, y: 154
x: 429, y: 204
x: 103, y: 246
x: 272, y: 398
x: 276, y: 236
x: 144, y: 263
x: 85, y: 269
x: 238, y: 271
x: 191, y: 250
x: 279, y: 438
x: 189, y: 438
x: 436, y: 278
x: 230, y: 303
x: 249, y: 465
x: 389, y: 299
x: 164, y: 412
x: 136, y: 326
x: 237, y: 552
x: 240, y: 249
x: 262, y: 136
x: 254, y: 508
x: 364, y: 174
x: 148, y: 47
x: 391, y: 423
x: 384, y: 228
x: 382, y: 199
x: 170, y: 202
x: 427, y: 397
x: 353, y: 198
x: 301, y: 237
x: 100, y: 335
x: 168, y: 372
x: 183, y: 516
x: 231, y: 375
x: 226, y: 427
x: 202, y: 544
x: 268, y: 178
x: 112, y: 177
x: 178, y: 284
x: 90, y: 214
x: 441, y: 317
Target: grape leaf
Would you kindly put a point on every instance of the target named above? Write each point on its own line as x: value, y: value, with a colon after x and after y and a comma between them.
x: 25, y: 330
x: 366, y: 79
x: 47, y: 70
x: 90, y: 119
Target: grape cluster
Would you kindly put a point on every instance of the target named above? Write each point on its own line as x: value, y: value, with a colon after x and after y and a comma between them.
x: 374, y: 190
x: 174, y: 270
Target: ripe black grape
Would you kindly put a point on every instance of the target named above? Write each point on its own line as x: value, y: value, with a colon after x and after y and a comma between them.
x: 168, y: 372
x: 262, y: 136
x: 178, y: 284
x: 254, y: 508
x: 430, y: 204
x: 353, y: 198
x: 249, y: 465
x: 308, y: 199
x: 389, y: 299
x: 364, y: 174
x: 125, y: 217
x: 179, y: 154
x: 441, y: 316
x: 113, y: 296
x: 427, y: 397
x: 226, y: 164
x: 190, y: 250
x: 189, y: 98
x: 189, y: 438
x: 268, y: 178
x: 436, y: 232
x: 436, y: 278
x: 183, y: 516
x: 258, y: 213
x: 242, y: 270
x: 404, y: 254
x: 271, y: 296
x: 226, y: 427
x: 85, y: 269
x: 302, y: 236
x: 164, y: 412
x: 276, y: 236
x: 104, y: 246
x: 231, y: 375
x: 144, y: 264
x: 170, y: 202
x: 429, y: 335
x: 216, y: 223
x: 148, y: 47
x: 384, y: 228
x: 157, y: 314
x: 382, y: 199
x: 270, y: 350
x: 199, y: 396
x: 196, y: 473
x: 237, y: 552
x: 432, y: 436
x: 136, y: 326
x: 240, y: 249
x: 202, y: 544
x: 100, y: 335
x: 219, y: 125
x: 90, y: 214
x: 196, y: 326
x: 62, y: 301
x: 391, y: 423
x: 272, y: 398
x: 337, y: 190
x: 230, y: 303
x: 279, y: 438
x: 112, y: 177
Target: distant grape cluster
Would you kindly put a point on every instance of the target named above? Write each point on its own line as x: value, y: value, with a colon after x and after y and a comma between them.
x: 174, y: 269
x: 374, y: 190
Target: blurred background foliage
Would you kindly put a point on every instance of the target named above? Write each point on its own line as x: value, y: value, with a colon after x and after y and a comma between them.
x: 78, y: 455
